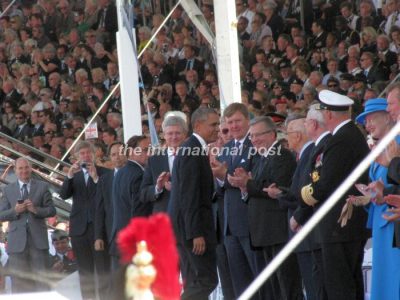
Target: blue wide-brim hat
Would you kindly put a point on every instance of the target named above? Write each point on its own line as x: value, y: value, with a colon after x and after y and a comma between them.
x: 371, y: 106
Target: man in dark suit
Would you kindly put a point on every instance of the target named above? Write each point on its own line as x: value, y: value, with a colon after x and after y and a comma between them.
x: 342, y: 247
x: 23, y: 130
x: 26, y: 204
x: 190, y: 207
x: 386, y: 57
x: 156, y: 184
x: 319, y: 39
x: 190, y: 62
x: 242, y: 259
x: 107, y: 22
x: 81, y: 184
x: 299, y: 133
x: 268, y: 224
x: 372, y: 71
x: 104, y: 213
x: 126, y: 191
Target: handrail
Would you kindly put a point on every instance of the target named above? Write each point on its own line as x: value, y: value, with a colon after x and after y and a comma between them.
x: 319, y: 214
x: 31, y: 160
x: 33, y: 149
x: 385, y: 89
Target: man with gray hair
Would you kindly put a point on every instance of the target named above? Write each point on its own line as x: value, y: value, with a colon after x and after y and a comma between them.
x: 80, y: 184
x: 156, y: 184
x: 268, y: 223
x: 190, y: 207
x: 301, y: 144
x: 342, y: 247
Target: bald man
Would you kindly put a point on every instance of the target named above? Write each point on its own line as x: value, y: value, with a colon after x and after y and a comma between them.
x: 26, y: 204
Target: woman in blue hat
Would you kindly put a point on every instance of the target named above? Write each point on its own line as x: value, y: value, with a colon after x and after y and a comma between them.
x: 385, y: 284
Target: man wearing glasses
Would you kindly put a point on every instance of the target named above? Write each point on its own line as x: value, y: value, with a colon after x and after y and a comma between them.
x: 268, y: 225
x: 23, y: 130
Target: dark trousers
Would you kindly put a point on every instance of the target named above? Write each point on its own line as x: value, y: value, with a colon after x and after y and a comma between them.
x: 224, y: 273
x: 199, y: 272
x: 242, y: 262
x: 311, y: 274
x: 27, y: 268
x: 318, y: 275
x: 342, y: 264
x: 286, y: 284
x: 89, y: 261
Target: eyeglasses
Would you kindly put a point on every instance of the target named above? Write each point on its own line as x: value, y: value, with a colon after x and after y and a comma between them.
x: 258, y: 134
x: 290, y: 132
x: 19, y: 118
x: 225, y: 130
x: 332, y: 85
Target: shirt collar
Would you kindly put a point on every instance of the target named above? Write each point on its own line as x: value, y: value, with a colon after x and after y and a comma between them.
x: 135, y: 162
x: 321, y: 137
x: 20, y: 184
x: 171, y: 151
x: 340, y: 126
x: 241, y: 141
x: 304, y: 148
x: 201, y: 140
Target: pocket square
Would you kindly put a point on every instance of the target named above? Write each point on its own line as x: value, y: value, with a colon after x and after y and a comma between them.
x: 243, y: 160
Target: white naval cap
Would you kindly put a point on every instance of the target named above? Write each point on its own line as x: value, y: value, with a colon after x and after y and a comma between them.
x: 333, y: 101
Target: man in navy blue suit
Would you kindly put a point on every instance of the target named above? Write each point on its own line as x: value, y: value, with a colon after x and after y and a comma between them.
x: 156, y: 184
x: 126, y: 191
x: 242, y: 259
x: 302, y: 145
x: 104, y: 212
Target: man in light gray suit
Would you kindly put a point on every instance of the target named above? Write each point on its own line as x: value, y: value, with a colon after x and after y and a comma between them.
x: 25, y: 204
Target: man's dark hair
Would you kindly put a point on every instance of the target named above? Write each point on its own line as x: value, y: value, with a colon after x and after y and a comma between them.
x: 134, y: 141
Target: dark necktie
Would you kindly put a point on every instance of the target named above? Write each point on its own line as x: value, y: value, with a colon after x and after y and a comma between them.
x: 235, y: 152
x: 24, y: 191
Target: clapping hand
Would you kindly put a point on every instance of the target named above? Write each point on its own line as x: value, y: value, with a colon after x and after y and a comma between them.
x: 393, y: 200
x: 273, y: 191
x: 239, y: 178
x: 376, y: 189
x: 219, y: 169
x: 162, y: 181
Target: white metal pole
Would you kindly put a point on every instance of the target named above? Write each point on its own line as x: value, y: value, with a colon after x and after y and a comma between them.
x: 320, y: 213
x: 227, y: 52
